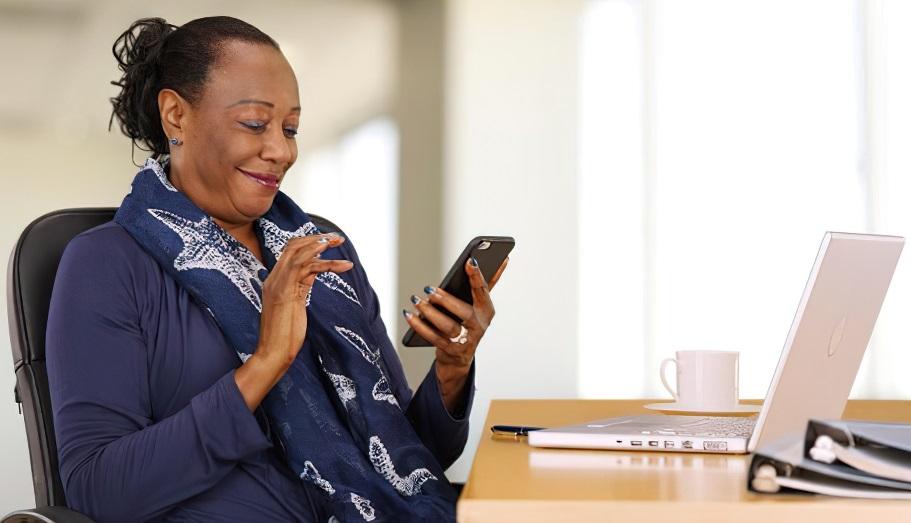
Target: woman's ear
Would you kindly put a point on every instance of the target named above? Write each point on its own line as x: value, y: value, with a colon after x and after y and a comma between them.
x: 173, y: 111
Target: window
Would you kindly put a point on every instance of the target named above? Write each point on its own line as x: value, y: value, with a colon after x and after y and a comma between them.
x: 354, y: 183
x: 719, y: 140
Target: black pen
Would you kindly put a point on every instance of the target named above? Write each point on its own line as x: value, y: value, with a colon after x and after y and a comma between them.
x: 513, y: 430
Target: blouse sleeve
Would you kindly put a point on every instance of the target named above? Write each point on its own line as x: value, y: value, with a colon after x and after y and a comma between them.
x: 116, y: 462
x: 444, y: 434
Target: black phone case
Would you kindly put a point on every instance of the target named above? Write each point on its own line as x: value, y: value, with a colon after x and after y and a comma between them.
x: 456, y: 281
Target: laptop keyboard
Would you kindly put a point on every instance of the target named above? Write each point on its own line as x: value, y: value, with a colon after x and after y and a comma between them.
x: 708, y: 427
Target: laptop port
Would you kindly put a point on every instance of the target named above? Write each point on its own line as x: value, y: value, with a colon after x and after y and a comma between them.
x: 668, y: 444
x: 715, y: 445
x: 636, y: 443
x: 687, y: 444
x: 652, y: 443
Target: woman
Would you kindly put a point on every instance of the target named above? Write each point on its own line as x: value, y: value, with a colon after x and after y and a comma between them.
x: 212, y: 355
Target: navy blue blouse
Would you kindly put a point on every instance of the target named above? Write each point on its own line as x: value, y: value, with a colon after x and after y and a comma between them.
x: 149, y: 421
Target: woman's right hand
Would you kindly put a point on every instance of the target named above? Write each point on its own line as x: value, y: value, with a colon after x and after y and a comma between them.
x: 283, y: 324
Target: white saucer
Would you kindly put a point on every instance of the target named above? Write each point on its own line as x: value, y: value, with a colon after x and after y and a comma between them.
x: 676, y: 408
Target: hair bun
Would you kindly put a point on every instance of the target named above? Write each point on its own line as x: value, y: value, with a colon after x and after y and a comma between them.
x: 138, y: 52
x: 140, y: 45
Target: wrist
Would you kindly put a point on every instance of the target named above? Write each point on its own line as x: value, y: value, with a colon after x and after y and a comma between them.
x: 272, y: 360
x: 256, y: 377
x: 448, y: 373
x: 451, y: 381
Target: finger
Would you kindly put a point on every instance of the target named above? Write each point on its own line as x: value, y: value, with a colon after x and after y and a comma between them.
x: 426, y: 331
x: 305, y: 253
x: 480, y: 292
x: 299, y: 241
x: 332, y: 266
x: 328, y: 241
x: 437, y: 339
x: 439, y: 320
x: 461, y: 309
x: 334, y: 239
x: 316, y: 266
x: 303, y: 242
x: 309, y: 271
x: 496, y: 277
x: 300, y: 248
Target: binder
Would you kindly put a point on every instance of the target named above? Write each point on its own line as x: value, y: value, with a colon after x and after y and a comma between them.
x: 880, y: 449
x: 791, y: 465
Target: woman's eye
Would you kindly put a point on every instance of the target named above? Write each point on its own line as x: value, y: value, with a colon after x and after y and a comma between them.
x: 290, y: 132
x: 254, y: 126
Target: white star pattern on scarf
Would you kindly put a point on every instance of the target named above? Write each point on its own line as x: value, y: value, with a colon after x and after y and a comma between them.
x: 381, y: 391
x: 205, y: 246
x: 159, y: 172
x: 344, y: 386
x: 336, y: 283
x: 311, y: 474
x: 358, y: 343
x: 363, y: 506
x: 277, y: 238
x: 382, y: 463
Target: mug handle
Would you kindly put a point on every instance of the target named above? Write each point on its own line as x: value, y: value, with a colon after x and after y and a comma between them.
x: 664, y: 365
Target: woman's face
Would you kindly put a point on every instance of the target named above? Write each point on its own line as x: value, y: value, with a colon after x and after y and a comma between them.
x: 238, y: 138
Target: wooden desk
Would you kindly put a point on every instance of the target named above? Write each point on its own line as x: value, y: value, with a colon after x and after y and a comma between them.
x: 510, y: 481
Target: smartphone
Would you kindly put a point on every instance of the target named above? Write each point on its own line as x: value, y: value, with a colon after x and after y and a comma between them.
x: 489, y: 251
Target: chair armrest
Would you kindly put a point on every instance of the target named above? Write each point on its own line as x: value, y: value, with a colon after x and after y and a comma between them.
x: 46, y: 515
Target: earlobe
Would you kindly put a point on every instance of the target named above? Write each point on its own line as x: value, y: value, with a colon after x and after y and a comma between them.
x: 172, y: 109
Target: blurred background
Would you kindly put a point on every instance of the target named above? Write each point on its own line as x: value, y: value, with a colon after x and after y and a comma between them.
x: 668, y: 168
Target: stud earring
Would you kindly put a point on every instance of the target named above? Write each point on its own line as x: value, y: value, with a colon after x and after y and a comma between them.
x: 175, y: 141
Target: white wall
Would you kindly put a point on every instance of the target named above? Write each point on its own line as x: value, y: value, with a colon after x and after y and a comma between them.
x: 42, y: 173
x: 511, y: 170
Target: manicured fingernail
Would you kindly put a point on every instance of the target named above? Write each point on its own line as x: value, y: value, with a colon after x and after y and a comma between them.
x: 415, y: 300
x: 429, y: 290
x: 406, y: 314
x: 473, y: 262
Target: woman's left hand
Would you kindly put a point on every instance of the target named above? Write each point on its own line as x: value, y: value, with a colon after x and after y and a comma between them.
x: 453, y: 358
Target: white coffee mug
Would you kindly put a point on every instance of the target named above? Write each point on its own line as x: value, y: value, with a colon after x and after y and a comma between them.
x: 707, y: 380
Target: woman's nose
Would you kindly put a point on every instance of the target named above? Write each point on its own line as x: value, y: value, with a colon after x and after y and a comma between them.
x: 277, y: 147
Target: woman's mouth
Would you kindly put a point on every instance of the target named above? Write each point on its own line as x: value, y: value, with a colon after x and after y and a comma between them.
x: 269, y: 180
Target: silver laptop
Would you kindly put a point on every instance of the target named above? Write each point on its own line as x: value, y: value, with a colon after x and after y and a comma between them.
x: 818, y: 364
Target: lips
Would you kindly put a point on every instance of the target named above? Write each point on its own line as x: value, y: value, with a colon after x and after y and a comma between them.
x: 266, y: 179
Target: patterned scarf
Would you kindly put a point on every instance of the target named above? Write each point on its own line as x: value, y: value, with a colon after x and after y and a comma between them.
x: 343, y: 430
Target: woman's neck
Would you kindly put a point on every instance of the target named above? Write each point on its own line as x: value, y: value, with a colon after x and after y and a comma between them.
x: 245, y: 234
x: 242, y: 232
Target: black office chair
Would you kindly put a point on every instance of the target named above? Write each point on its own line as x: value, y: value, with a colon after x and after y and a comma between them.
x: 30, y: 280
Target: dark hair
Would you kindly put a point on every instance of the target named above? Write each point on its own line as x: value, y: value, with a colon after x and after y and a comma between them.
x: 156, y: 55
